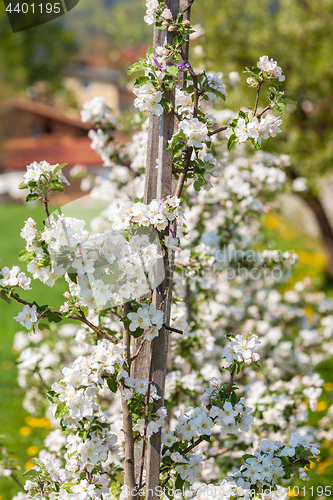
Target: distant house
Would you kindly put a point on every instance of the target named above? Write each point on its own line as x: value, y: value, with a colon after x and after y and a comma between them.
x: 29, y: 118
x: 35, y: 131
x: 87, y: 82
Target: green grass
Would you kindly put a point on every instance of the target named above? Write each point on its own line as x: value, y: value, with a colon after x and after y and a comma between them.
x: 12, y: 415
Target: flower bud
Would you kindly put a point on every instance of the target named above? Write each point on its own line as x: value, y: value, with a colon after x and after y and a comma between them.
x: 213, y: 382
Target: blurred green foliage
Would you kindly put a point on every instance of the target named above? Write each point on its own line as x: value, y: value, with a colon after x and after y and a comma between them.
x: 33, y: 55
x: 298, y: 35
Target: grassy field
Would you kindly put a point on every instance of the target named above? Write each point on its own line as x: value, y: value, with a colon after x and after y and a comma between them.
x: 23, y: 436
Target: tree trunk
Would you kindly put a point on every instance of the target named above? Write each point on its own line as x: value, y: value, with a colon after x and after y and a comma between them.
x: 317, y: 208
x: 314, y: 203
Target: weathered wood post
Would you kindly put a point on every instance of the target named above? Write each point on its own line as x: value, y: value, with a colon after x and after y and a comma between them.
x: 158, y: 185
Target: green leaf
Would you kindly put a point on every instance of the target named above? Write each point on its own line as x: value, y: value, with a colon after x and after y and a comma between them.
x: 254, y: 143
x: 4, y: 297
x: 179, y: 483
x: 38, y: 462
x: 198, y: 183
x: 57, y: 186
x: 72, y: 276
x: 142, y: 80
x: 150, y: 51
x: 178, y: 40
x: 166, y: 104
x: 26, y: 256
x: 112, y: 384
x: 33, y: 186
x: 32, y: 473
x: 43, y: 326
x: 172, y: 70
x: 52, y: 317
x: 233, y: 398
x: 137, y: 66
x: 232, y: 142
x: 61, y: 410
x: 177, y: 150
x: 51, y: 396
x: 59, y: 167
x: 23, y: 185
x: 32, y: 197
x: 169, y: 82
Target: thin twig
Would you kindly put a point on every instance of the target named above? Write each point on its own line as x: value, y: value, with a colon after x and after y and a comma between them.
x: 187, y: 450
x: 188, y: 6
x: 146, y: 415
x: 45, y: 200
x: 127, y: 418
x: 138, y: 351
x: 17, y: 481
x: 221, y: 129
x: 182, y: 176
x: 232, y: 374
x: 257, y: 98
x: 264, y: 111
x: 176, y: 115
x: 79, y: 317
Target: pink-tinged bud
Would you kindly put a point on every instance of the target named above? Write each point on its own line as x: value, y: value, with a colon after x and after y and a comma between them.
x: 65, y: 307
x: 77, y: 304
x: 250, y: 80
x: 205, y: 398
x: 171, y: 28
x: 162, y: 412
x: 187, y: 22
x: 164, y: 23
x: 67, y: 295
x: 214, y: 382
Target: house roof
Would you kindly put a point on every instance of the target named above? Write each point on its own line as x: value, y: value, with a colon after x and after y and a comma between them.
x: 41, y: 109
x: 18, y: 153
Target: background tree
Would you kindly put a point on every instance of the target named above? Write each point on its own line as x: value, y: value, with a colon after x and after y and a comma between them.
x: 298, y: 35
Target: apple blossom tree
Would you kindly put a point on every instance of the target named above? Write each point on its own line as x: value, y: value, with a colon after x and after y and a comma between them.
x: 181, y: 373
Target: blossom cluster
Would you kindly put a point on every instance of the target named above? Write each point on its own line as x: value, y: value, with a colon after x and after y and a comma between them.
x: 14, y: 277
x: 148, y: 318
x: 148, y: 99
x: 270, y: 67
x: 270, y: 462
x: 158, y: 214
x: 195, y: 131
x: 257, y: 129
x: 241, y: 350
x: 43, y: 171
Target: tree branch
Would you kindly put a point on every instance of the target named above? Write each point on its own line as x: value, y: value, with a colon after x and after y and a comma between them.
x: 127, y: 420
x: 182, y: 176
x: 221, y: 129
x: 188, y: 6
x: 146, y: 415
x: 17, y: 481
x: 232, y: 374
x: 187, y: 450
x: 257, y: 99
x: 264, y: 111
x: 77, y: 317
